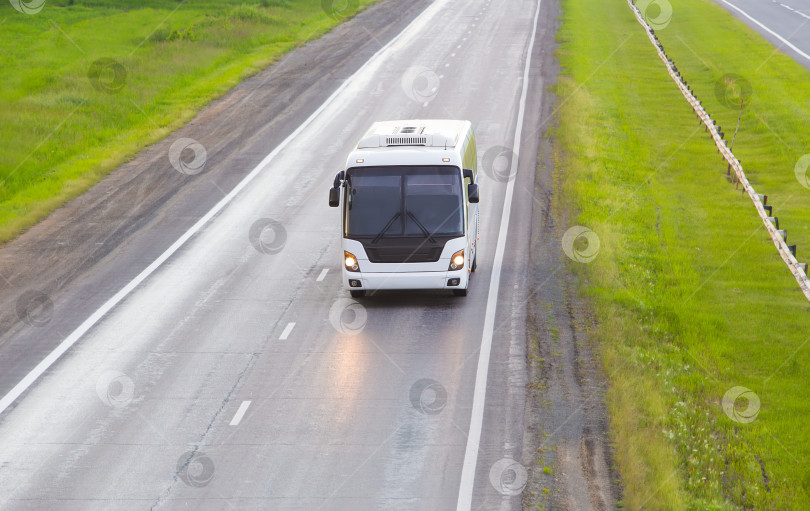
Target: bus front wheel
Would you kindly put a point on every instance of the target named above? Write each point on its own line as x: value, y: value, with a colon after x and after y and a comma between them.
x: 357, y: 293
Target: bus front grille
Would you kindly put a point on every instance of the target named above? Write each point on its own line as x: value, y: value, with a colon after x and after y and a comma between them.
x: 404, y: 254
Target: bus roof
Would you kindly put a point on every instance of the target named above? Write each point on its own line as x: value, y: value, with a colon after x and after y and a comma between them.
x: 415, y: 132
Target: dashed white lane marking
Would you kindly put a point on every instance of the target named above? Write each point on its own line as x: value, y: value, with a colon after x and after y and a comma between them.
x: 240, y: 413
x: 286, y: 332
x: 766, y: 29
x: 322, y: 275
x: 800, y: 13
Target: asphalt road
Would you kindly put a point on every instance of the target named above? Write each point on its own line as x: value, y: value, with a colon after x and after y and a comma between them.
x: 785, y: 23
x: 181, y: 339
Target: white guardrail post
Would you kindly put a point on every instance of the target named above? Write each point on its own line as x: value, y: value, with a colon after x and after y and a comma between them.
x: 779, y: 237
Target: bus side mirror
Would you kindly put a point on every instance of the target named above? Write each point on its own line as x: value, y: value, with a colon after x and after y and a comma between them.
x: 468, y: 174
x: 472, y: 193
x: 334, y: 197
x: 334, y: 192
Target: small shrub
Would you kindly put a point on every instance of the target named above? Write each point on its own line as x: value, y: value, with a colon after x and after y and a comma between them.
x: 185, y: 34
x: 246, y: 12
x: 160, y: 35
x: 167, y: 35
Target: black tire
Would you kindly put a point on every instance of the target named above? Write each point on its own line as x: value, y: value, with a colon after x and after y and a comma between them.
x: 359, y: 293
x: 474, y: 263
x: 460, y: 292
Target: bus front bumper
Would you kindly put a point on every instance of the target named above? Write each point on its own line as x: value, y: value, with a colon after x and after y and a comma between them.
x: 410, y: 280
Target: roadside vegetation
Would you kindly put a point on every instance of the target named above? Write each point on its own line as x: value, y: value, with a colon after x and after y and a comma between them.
x: 88, y: 83
x: 689, y: 296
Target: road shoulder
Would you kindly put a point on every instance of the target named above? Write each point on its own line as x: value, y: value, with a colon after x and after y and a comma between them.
x: 56, y: 274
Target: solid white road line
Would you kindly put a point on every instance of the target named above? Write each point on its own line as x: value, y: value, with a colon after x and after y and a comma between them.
x: 240, y: 413
x: 96, y: 316
x: 763, y: 27
x: 286, y: 333
x: 465, y: 491
x: 322, y: 275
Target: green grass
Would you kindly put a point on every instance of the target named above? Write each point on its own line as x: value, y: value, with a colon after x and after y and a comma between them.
x: 59, y: 135
x: 689, y: 294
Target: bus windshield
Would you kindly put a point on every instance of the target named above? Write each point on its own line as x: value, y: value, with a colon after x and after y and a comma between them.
x: 403, y: 201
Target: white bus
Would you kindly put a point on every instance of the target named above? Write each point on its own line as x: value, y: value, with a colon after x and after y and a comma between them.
x: 410, y: 207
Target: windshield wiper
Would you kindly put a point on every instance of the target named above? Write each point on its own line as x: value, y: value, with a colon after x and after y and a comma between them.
x: 422, y: 227
x: 387, y: 226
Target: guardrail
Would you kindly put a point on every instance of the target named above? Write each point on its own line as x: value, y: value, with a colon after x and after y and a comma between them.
x: 778, y: 236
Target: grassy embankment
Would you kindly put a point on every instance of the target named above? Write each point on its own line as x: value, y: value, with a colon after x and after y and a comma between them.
x: 690, y: 295
x: 59, y: 134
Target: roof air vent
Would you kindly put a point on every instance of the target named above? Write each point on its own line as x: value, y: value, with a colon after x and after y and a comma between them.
x: 422, y: 140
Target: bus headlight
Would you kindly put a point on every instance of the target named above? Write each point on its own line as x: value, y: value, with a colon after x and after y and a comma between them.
x: 350, y: 262
x: 457, y: 261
